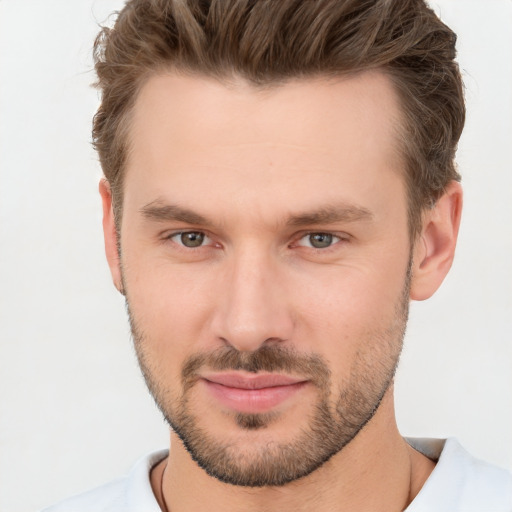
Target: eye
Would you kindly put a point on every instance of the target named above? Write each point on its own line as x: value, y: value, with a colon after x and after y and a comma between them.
x: 190, y: 239
x: 319, y: 240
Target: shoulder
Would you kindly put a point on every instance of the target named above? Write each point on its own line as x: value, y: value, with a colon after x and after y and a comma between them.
x: 109, y: 497
x: 461, y: 481
x: 130, y: 493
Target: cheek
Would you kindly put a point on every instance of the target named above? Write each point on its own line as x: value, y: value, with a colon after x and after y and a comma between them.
x: 335, y: 308
x: 346, y: 310
x: 171, y: 305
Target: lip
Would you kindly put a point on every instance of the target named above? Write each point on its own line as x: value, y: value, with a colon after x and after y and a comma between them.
x: 252, y: 393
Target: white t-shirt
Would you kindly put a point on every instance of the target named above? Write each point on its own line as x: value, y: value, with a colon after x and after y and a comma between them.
x: 459, y: 483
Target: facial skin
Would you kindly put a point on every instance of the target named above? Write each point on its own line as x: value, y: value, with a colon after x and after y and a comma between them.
x: 264, y: 233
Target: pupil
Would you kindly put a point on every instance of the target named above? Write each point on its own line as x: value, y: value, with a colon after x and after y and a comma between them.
x: 193, y: 239
x: 320, y: 240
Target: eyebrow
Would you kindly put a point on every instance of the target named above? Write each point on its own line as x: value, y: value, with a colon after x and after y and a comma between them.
x: 331, y: 214
x: 159, y: 211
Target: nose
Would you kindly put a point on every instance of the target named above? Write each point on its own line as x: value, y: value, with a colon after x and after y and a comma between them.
x: 253, y: 306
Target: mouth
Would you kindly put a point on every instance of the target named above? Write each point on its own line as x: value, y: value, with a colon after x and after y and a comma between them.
x: 247, y: 393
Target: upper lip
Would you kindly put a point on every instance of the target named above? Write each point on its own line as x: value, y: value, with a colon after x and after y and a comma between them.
x: 249, y: 381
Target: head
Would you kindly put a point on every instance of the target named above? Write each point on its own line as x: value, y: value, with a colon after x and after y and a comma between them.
x: 279, y: 183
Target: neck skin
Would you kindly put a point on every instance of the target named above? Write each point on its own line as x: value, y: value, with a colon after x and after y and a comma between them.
x: 377, y: 471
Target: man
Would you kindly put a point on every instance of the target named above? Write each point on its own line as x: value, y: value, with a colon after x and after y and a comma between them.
x: 279, y: 183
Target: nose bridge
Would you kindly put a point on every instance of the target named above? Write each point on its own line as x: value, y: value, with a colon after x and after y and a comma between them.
x: 253, y: 309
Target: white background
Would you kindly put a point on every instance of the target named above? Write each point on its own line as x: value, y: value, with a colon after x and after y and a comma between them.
x: 74, y: 412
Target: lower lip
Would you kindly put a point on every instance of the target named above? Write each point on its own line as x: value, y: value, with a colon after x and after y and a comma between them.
x: 253, y: 400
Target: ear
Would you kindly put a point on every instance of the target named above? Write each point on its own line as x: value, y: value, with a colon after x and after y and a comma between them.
x: 110, y: 235
x: 435, y: 247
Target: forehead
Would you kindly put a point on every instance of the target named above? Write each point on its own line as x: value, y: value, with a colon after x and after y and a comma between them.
x: 189, y: 132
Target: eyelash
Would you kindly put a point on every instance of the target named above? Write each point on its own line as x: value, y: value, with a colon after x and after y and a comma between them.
x: 170, y: 236
x: 341, y: 238
x: 322, y: 249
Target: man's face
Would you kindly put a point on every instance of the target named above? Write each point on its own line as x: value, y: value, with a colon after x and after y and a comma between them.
x: 265, y: 259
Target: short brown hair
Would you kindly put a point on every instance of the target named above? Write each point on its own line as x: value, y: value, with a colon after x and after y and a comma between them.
x: 270, y: 41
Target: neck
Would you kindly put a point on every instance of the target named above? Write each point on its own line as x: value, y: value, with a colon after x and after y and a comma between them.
x: 376, y: 471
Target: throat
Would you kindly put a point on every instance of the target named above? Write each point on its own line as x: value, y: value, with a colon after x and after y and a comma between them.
x: 367, y: 475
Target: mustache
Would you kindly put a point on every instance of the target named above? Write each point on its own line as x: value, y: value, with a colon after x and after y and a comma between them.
x: 268, y: 358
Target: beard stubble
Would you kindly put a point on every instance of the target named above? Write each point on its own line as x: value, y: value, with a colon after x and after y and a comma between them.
x: 331, y: 423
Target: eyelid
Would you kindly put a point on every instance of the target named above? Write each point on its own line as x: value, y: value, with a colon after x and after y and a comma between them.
x: 169, y: 236
x: 341, y: 236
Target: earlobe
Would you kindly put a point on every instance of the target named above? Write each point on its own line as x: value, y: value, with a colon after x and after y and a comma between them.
x: 434, y: 249
x: 110, y: 235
